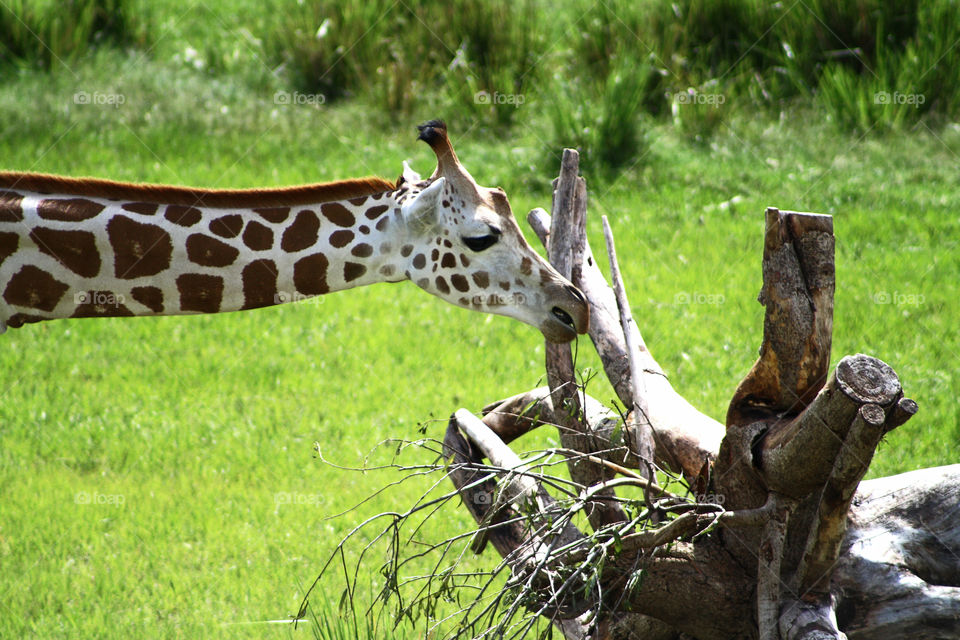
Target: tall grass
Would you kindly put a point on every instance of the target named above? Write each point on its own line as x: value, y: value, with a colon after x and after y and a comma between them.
x: 45, y: 33
x: 580, y: 73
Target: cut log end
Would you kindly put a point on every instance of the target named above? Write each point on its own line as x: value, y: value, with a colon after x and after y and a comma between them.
x: 866, y: 379
x: 903, y: 411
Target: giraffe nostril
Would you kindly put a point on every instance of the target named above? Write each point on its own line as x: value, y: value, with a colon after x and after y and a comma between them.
x: 576, y: 293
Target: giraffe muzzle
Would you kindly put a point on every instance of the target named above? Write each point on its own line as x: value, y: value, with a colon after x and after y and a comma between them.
x: 568, y: 319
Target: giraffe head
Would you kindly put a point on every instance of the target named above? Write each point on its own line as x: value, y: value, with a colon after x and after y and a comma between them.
x: 465, y: 247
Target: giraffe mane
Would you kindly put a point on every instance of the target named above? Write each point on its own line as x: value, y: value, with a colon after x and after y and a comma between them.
x: 189, y: 196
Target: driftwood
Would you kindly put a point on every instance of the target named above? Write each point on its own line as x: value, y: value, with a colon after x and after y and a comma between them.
x: 792, y: 546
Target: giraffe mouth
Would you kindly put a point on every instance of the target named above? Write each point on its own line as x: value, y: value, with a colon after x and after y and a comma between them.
x: 563, y: 317
x: 559, y: 326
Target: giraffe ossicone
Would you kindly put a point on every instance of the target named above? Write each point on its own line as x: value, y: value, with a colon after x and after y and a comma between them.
x: 94, y: 248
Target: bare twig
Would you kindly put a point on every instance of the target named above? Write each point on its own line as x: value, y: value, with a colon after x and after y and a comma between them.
x: 643, y: 432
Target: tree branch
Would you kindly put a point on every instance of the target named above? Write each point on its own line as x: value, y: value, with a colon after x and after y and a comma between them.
x: 642, y: 441
x: 685, y: 437
x: 565, y: 252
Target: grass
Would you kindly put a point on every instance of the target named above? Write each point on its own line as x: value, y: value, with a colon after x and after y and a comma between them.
x: 158, y: 475
x: 870, y: 66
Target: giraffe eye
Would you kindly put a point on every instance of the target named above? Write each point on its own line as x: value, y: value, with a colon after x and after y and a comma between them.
x: 479, y: 243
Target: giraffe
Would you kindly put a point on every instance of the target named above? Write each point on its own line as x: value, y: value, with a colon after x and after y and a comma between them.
x: 87, y: 247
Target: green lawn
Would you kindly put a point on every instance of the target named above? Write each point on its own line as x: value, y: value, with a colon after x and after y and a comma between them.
x: 158, y: 477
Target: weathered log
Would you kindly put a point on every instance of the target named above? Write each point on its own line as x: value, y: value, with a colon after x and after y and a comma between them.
x: 807, y: 551
x: 796, y: 457
x: 898, y: 575
x: 770, y: 556
x: 798, y: 285
x: 526, y: 543
x: 823, y: 542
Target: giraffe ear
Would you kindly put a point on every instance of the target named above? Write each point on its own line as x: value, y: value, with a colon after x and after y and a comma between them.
x: 422, y: 210
x: 409, y: 175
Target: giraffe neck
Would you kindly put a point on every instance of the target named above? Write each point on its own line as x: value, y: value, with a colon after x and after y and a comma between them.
x: 68, y: 256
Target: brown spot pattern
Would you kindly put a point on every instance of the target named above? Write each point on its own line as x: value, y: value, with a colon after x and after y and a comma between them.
x: 419, y: 261
x: 449, y: 261
x: 76, y: 250
x: 464, y: 260
x: 388, y: 270
x: 34, y: 288
x: 302, y: 234
x: 183, y: 216
x: 200, y: 292
x: 482, y: 278
x: 20, y: 319
x: 362, y: 250
x: 459, y: 282
x: 139, y: 249
x: 364, y: 229
x: 341, y: 238
x: 310, y: 275
x: 274, y: 214
x: 8, y: 245
x: 150, y: 297
x: 228, y: 226
x: 375, y: 212
x: 382, y: 223
x: 257, y: 236
x: 442, y: 285
x: 338, y: 214
x: 352, y: 271
x: 259, y: 284
x: 11, y: 209
x: 143, y: 208
x: 68, y: 209
x: 406, y: 250
x: 210, y: 252
x: 526, y: 266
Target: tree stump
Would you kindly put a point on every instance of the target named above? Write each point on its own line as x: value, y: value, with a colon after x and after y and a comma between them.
x: 800, y: 548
